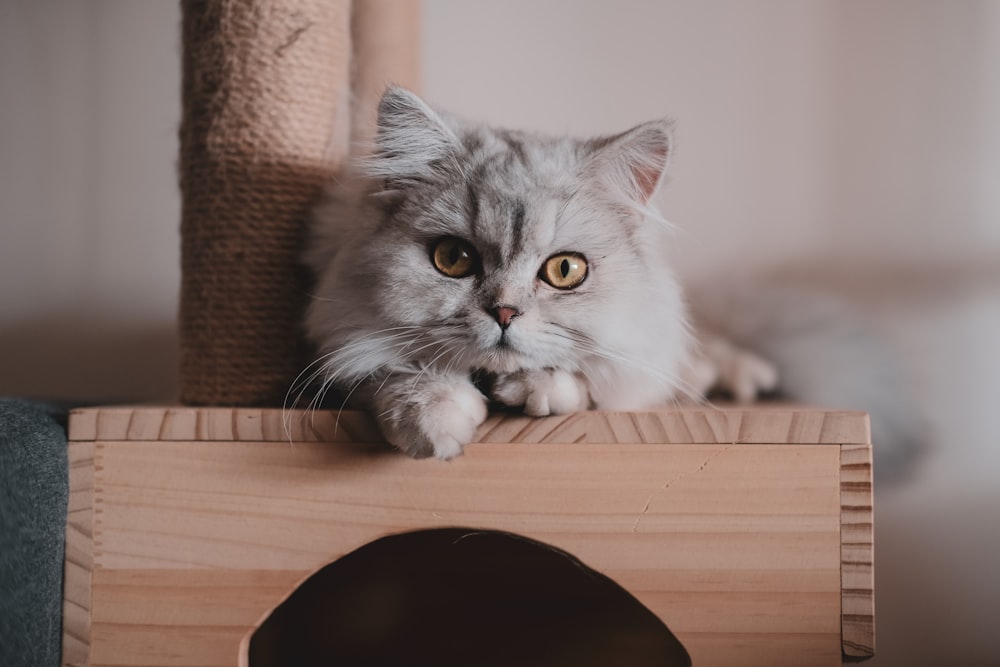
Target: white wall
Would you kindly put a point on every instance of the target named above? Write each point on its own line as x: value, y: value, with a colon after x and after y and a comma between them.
x: 918, y: 130
x: 747, y: 82
x: 89, y: 242
x: 862, y: 130
x: 90, y: 113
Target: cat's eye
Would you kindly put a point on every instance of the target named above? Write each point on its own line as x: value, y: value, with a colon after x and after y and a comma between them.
x: 454, y: 258
x: 564, y: 270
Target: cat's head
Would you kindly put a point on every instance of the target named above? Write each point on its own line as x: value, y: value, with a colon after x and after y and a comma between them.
x: 504, y: 250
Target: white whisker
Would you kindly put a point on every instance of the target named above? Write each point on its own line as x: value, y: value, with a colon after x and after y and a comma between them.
x: 337, y: 364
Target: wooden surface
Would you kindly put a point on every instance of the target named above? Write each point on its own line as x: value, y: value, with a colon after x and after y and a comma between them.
x: 763, y: 423
x: 79, y: 563
x: 747, y: 531
x: 857, y: 551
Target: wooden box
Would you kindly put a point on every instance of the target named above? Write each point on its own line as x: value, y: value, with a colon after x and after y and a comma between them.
x: 747, y: 530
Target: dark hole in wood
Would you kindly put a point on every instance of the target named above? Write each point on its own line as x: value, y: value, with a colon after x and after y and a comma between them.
x: 458, y: 596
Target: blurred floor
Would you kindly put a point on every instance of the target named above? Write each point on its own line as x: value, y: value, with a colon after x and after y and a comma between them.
x: 937, y: 580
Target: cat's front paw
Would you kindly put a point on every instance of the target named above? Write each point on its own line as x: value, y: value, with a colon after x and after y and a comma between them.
x: 542, y: 392
x: 736, y: 370
x: 435, y: 418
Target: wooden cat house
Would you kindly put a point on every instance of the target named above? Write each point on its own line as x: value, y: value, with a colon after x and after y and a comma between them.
x: 746, y: 530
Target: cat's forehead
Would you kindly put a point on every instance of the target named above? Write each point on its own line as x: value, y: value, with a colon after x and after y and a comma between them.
x: 508, y: 168
x: 513, y: 194
x: 521, y: 161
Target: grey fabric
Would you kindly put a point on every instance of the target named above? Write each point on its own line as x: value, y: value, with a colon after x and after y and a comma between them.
x: 34, y: 490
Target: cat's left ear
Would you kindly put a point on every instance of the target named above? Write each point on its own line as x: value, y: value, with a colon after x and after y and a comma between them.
x: 411, y: 138
x: 635, y: 161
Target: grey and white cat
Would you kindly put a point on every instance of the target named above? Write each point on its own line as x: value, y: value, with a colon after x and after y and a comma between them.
x: 457, y: 252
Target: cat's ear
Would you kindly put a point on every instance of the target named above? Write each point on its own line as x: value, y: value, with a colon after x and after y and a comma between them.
x: 411, y: 137
x: 635, y: 161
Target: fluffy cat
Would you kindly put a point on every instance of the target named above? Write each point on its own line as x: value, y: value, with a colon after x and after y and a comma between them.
x: 460, y: 263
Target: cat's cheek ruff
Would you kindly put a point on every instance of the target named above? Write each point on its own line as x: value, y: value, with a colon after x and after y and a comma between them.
x: 422, y: 299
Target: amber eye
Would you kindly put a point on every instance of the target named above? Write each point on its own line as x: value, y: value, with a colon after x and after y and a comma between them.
x: 564, y: 270
x: 454, y: 258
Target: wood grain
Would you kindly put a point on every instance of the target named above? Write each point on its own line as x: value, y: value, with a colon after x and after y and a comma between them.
x: 857, y: 547
x: 739, y: 546
x: 79, y: 563
x: 762, y: 423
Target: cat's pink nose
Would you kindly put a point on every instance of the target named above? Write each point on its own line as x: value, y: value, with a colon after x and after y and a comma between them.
x: 504, y: 314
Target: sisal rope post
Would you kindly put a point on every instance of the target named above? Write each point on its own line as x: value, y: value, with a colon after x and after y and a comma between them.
x: 275, y: 92
x: 265, y: 127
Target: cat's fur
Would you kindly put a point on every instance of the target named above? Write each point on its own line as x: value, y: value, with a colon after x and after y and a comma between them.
x: 419, y: 348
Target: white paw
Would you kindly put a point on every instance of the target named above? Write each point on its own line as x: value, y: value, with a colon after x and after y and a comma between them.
x: 542, y: 392
x: 450, y: 420
x: 740, y: 372
x: 434, y: 417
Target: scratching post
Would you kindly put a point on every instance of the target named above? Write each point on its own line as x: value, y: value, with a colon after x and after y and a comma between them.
x: 264, y: 89
x: 267, y: 123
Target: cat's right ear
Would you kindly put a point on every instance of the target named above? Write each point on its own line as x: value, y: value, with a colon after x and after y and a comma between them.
x: 411, y: 138
x: 633, y: 163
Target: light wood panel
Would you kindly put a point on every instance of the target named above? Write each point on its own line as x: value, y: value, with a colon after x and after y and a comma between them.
x: 857, y: 551
x: 184, y: 544
x: 761, y: 423
x: 79, y: 561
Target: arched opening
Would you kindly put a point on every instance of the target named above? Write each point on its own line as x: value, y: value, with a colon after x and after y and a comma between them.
x: 459, y: 596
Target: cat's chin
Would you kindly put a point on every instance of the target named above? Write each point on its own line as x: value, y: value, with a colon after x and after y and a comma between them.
x: 504, y: 360
x: 494, y: 365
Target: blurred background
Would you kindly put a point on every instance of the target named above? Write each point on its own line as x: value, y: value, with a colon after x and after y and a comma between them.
x: 853, y: 145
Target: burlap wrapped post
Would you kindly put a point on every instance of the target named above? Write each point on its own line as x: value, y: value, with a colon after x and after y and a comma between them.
x: 265, y: 126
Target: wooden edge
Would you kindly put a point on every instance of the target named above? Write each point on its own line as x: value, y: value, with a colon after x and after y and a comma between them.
x: 243, y: 658
x: 857, y: 563
x: 756, y: 424
x: 79, y: 558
